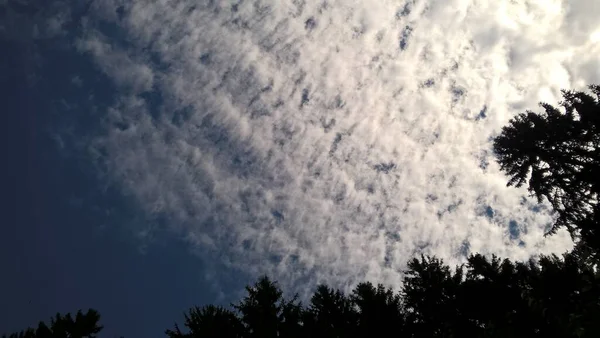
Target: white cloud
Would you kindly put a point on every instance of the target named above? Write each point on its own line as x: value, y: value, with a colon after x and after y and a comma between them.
x: 298, y: 138
x: 116, y: 63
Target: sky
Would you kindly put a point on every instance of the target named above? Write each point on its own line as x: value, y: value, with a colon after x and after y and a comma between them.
x: 166, y: 153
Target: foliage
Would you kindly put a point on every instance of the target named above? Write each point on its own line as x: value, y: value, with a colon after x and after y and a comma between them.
x: 83, y: 325
x: 487, y: 297
x: 557, y: 154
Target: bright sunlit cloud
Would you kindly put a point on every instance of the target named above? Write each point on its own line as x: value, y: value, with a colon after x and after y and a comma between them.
x: 334, y: 139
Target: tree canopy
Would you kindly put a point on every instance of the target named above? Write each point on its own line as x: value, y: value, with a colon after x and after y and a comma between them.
x: 557, y: 154
x: 487, y: 297
x: 84, y: 325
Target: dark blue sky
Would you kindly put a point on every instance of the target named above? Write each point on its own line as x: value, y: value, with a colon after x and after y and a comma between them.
x: 66, y: 236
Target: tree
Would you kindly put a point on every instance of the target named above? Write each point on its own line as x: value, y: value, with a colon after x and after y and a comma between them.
x: 557, y: 153
x: 330, y: 314
x: 83, y: 326
x: 565, y: 291
x: 429, y: 295
x: 379, y: 310
x: 266, y: 313
x: 488, y: 297
x: 210, y: 322
x: 493, y: 297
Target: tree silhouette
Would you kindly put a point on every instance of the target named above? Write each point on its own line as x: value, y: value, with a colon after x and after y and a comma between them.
x: 209, y: 321
x: 265, y: 313
x: 379, y: 310
x: 429, y: 294
x: 487, y: 297
x: 83, y: 326
x: 493, y: 297
x: 330, y: 314
x: 557, y: 153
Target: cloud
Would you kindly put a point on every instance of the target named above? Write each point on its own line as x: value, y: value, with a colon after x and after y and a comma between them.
x: 334, y: 139
x: 25, y: 21
x: 117, y: 64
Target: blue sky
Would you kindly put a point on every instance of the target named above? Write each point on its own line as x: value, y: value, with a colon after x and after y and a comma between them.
x: 66, y: 240
x: 164, y: 154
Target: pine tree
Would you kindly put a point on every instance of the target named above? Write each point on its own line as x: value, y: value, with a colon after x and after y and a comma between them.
x: 85, y: 325
x: 211, y: 322
x: 330, y: 314
x: 379, y: 310
x: 429, y: 296
x: 557, y: 153
x: 266, y: 313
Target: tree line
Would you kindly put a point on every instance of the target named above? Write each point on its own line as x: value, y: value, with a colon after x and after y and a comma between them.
x: 556, y: 154
x: 487, y: 297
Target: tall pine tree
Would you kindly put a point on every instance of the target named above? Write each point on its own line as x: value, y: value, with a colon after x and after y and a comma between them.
x: 557, y: 153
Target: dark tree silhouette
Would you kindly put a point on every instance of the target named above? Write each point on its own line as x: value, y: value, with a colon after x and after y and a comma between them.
x: 210, y: 321
x: 493, y: 297
x: 266, y: 313
x: 330, y: 314
x: 557, y: 153
x: 85, y: 325
x: 379, y: 310
x: 429, y: 293
x: 487, y: 297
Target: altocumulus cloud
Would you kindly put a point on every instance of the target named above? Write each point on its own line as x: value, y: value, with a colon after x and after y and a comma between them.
x: 333, y: 139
